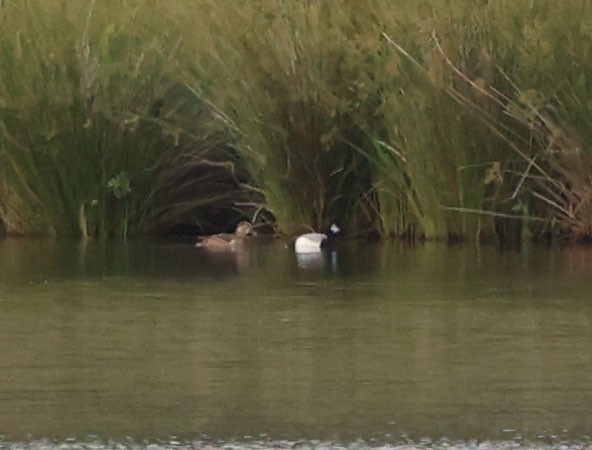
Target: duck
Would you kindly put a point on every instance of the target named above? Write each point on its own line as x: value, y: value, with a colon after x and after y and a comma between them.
x: 314, y: 242
x: 224, y: 242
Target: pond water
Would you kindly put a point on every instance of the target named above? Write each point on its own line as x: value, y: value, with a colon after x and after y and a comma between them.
x: 156, y: 344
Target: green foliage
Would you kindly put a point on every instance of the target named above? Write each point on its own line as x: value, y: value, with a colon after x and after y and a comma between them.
x: 436, y: 118
x: 287, y: 77
x: 92, y: 129
x: 335, y: 124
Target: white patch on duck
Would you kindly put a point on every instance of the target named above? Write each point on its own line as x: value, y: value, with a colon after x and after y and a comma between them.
x: 314, y: 242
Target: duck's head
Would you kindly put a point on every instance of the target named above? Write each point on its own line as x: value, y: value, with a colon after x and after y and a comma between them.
x: 334, y: 229
x: 244, y: 229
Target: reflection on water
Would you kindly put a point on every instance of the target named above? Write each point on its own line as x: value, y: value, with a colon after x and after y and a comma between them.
x: 318, y: 261
x: 376, y: 342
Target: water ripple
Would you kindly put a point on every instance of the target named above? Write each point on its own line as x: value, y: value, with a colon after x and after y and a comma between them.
x: 423, y: 444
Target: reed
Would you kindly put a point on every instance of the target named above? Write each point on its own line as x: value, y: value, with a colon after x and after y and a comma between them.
x: 334, y: 123
x: 551, y: 88
x: 432, y: 118
x: 525, y: 80
x: 95, y: 136
x: 437, y: 126
x: 287, y: 77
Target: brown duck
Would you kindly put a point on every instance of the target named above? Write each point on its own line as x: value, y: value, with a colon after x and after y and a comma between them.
x: 227, y: 242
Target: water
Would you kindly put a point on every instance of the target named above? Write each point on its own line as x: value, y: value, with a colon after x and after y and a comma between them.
x: 157, y: 344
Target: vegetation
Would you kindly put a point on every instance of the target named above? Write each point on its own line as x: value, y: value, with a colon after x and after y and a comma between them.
x: 433, y: 118
x: 96, y: 137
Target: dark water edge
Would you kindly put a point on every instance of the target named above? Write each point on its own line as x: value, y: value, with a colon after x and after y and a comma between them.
x: 547, y: 443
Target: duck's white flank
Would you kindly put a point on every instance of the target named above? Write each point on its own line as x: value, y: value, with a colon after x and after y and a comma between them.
x: 309, y: 243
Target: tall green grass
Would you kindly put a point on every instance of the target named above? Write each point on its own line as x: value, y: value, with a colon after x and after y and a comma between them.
x: 415, y: 116
x: 438, y: 118
x: 95, y: 136
x: 287, y: 78
x: 336, y: 124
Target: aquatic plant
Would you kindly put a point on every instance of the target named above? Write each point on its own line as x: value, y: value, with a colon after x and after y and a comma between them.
x: 434, y: 118
x: 551, y: 88
x: 334, y: 123
x: 287, y: 77
x: 524, y: 81
x: 95, y: 137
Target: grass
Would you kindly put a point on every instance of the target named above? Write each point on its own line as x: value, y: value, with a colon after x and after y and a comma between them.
x: 337, y: 125
x: 286, y: 78
x: 93, y: 130
x: 434, y: 119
